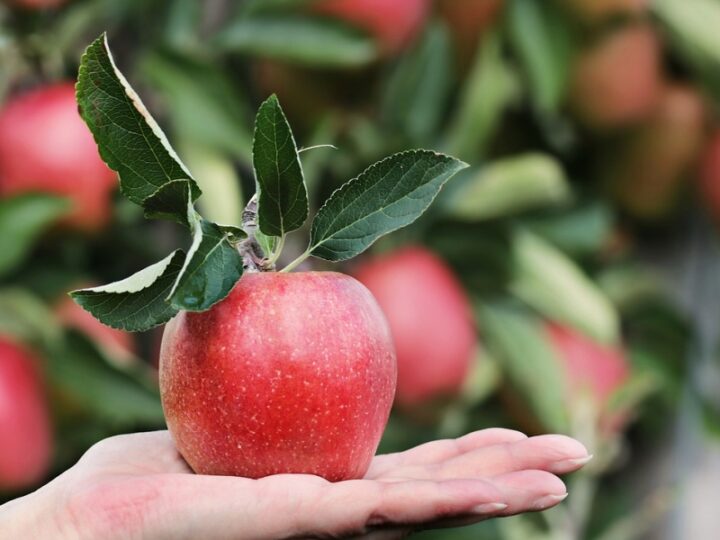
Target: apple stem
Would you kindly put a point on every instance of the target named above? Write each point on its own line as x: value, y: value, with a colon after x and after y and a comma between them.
x: 297, y: 262
x: 254, y: 260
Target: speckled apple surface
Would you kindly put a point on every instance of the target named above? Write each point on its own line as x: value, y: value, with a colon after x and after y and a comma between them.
x: 291, y: 373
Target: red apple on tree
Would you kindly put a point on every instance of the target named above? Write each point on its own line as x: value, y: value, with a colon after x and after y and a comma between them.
x: 430, y: 320
x: 25, y: 431
x: 394, y: 24
x: 46, y: 148
x: 261, y: 372
x: 617, y: 80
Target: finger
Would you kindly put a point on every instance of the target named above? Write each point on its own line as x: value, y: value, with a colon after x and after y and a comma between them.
x: 554, y: 453
x: 437, y: 451
x: 306, y: 506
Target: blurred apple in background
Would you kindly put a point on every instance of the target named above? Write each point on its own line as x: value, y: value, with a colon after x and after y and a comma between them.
x: 594, y: 11
x: 645, y: 169
x: 467, y: 20
x: 430, y: 320
x: 616, y: 81
x: 45, y: 147
x: 394, y: 24
x: 117, y: 345
x: 26, y: 447
x: 710, y: 176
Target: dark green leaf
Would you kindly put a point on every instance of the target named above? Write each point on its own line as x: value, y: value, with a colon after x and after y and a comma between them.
x: 283, y: 201
x: 136, y: 303
x: 211, y: 269
x: 22, y: 220
x: 170, y: 202
x: 313, y: 42
x: 387, y: 196
x: 129, y: 139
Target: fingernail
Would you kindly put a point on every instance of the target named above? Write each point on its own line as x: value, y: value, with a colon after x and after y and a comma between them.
x: 549, y: 500
x: 572, y: 463
x: 489, y: 508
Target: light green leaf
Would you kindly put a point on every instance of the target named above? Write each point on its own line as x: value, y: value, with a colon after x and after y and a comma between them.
x: 313, y: 42
x: 22, y: 220
x: 387, y: 196
x: 136, y: 303
x: 509, y: 186
x: 283, y: 200
x: 129, y: 139
x: 26, y: 318
x: 554, y: 285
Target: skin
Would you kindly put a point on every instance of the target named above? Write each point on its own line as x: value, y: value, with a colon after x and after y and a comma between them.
x: 617, y: 80
x: 430, y: 320
x: 46, y: 147
x: 24, y: 419
x: 137, y: 486
x: 292, y: 372
x: 394, y: 24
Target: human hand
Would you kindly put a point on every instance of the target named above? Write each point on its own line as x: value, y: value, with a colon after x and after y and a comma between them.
x: 138, y: 486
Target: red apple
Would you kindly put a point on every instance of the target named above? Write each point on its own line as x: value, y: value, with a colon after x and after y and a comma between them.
x: 430, y: 320
x: 594, y: 11
x: 646, y: 168
x: 467, y: 21
x: 394, y: 23
x: 291, y: 373
x: 25, y: 451
x: 46, y: 147
x: 710, y: 176
x: 592, y: 370
x: 118, y: 345
x: 617, y: 80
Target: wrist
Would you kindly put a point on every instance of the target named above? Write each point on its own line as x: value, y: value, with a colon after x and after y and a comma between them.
x: 35, y: 516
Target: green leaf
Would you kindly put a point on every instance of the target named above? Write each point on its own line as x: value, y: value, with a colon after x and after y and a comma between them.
x: 387, y: 196
x: 22, y: 220
x: 541, y: 36
x: 550, y: 282
x: 26, y: 318
x: 283, y: 200
x: 170, y: 202
x: 137, y: 303
x: 267, y: 243
x: 518, y: 343
x: 308, y: 41
x: 509, y: 186
x: 129, y: 139
x: 212, y: 267
x: 418, y: 90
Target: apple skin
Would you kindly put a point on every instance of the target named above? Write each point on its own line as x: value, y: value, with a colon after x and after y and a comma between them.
x: 617, y: 81
x: 291, y: 373
x: 709, y: 177
x: 25, y: 431
x: 46, y: 147
x: 430, y: 320
x: 597, y: 11
x: 394, y: 23
x: 646, y: 169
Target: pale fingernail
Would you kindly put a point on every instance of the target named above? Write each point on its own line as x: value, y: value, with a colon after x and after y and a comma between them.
x: 489, y: 508
x: 548, y: 501
x: 572, y: 463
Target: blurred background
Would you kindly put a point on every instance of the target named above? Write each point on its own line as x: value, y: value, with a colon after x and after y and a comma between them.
x: 569, y: 281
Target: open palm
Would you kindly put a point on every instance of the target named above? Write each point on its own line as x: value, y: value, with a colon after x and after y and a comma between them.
x: 138, y: 486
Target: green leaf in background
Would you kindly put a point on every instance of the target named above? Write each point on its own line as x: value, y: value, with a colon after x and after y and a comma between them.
x: 25, y: 317
x: 550, y: 282
x: 129, y: 139
x: 137, y: 303
x: 387, y: 196
x: 692, y: 26
x: 418, y: 90
x: 509, y: 186
x: 169, y: 201
x: 309, y: 41
x: 22, y: 220
x: 490, y: 88
x: 518, y: 343
x: 212, y: 267
x: 205, y: 106
x: 283, y: 200
x: 541, y: 36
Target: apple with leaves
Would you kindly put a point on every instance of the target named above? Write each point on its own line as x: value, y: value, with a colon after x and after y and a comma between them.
x: 430, y: 320
x: 261, y: 372
x: 46, y: 148
x: 617, y: 80
x: 393, y: 24
x: 25, y: 431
